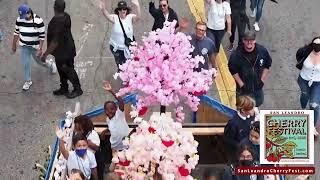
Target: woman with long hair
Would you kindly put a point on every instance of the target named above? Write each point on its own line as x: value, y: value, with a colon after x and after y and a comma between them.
x: 122, y: 29
x: 308, y: 58
x: 245, y: 158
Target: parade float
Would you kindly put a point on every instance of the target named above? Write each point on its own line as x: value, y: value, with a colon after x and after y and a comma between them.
x: 159, y: 75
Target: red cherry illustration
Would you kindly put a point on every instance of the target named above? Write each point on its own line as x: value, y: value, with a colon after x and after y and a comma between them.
x: 143, y: 110
x: 124, y: 163
x: 272, y: 158
x: 167, y: 143
x: 268, y: 145
x: 183, y: 171
x: 151, y: 130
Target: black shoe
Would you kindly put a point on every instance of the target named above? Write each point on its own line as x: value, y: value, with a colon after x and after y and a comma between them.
x: 60, y: 92
x: 74, y: 93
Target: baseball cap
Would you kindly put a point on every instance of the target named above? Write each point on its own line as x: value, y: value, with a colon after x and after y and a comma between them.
x: 23, y: 10
x: 122, y: 5
x: 249, y: 35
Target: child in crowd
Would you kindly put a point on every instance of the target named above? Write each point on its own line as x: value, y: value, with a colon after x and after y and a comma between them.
x: 76, y: 174
x: 238, y: 127
x: 117, y: 124
x: 253, y: 140
x: 84, y: 126
x: 79, y: 158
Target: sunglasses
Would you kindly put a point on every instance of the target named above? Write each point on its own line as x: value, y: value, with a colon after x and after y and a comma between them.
x: 124, y: 9
x: 162, y: 5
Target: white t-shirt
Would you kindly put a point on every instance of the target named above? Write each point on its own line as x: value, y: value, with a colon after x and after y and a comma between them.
x: 217, y: 15
x: 310, y: 72
x: 119, y: 129
x: 84, y: 164
x: 93, y: 136
x: 117, y: 37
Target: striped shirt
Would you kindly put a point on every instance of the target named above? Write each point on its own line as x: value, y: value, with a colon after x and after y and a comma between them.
x: 30, y: 31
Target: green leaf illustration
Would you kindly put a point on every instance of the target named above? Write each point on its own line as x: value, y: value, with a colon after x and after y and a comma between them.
x: 290, y: 145
x: 280, y: 140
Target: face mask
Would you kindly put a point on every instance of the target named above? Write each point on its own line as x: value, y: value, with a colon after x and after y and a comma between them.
x: 81, y: 152
x: 316, y: 47
x: 245, y: 162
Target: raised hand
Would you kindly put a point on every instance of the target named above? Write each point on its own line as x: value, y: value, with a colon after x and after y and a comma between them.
x: 101, y: 4
x: 60, y: 133
x: 135, y: 2
x: 184, y: 23
x: 107, y: 86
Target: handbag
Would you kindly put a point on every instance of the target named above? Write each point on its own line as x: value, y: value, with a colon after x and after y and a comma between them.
x: 127, y: 40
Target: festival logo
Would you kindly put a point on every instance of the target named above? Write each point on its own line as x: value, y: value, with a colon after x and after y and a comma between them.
x: 287, y: 137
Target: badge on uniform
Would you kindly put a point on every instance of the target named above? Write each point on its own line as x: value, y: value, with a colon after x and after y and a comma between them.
x: 204, y: 51
x: 261, y: 62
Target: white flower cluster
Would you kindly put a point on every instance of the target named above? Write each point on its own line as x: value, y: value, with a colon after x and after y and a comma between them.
x: 159, y: 145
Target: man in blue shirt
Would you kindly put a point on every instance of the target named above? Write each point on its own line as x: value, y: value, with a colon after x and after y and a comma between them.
x: 203, y: 46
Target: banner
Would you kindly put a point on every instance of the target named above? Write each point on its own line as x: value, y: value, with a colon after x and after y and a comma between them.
x: 287, y: 137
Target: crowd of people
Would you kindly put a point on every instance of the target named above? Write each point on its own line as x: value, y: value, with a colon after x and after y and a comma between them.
x: 249, y: 64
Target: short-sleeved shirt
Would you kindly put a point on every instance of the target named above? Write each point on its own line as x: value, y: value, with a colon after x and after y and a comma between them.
x: 204, y: 48
x: 217, y: 15
x: 93, y: 136
x: 84, y: 164
x: 59, y: 29
x: 119, y: 129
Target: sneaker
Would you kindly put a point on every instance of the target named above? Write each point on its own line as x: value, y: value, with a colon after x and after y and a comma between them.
x: 253, y: 13
x: 230, y: 47
x: 60, y: 92
x: 26, y: 85
x: 256, y: 26
x: 52, y: 65
x: 74, y: 94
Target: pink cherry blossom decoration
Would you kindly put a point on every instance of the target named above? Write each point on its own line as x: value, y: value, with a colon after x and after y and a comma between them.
x: 161, y: 71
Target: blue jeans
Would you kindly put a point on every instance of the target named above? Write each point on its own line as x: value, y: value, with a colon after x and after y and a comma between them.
x: 25, y: 57
x: 311, y: 95
x: 259, y: 5
x: 216, y: 36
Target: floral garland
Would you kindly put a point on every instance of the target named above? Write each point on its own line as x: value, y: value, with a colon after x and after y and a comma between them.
x: 162, y: 72
x: 161, y: 146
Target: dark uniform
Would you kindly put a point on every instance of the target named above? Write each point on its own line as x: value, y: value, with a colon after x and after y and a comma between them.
x: 59, y: 30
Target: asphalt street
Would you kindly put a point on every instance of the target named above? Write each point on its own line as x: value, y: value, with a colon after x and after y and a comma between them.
x: 28, y: 119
